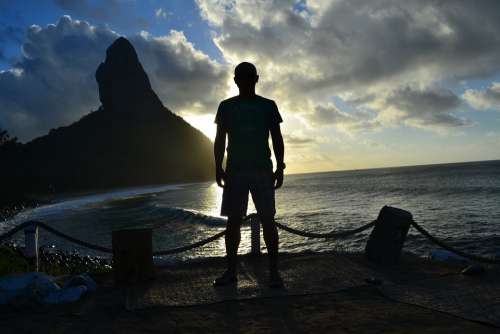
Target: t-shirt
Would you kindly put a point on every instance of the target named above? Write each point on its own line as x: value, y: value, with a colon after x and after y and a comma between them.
x: 247, y: 122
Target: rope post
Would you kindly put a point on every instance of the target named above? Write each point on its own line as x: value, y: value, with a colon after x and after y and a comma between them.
x: 255, y: 235
x: 31, y: 244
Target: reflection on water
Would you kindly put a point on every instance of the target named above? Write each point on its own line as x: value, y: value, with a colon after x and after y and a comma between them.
x: 178, y: 214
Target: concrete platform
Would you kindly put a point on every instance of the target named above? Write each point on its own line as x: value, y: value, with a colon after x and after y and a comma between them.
x: 417, y: 281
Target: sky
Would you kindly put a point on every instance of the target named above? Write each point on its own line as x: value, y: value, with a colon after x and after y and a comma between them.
x: 359, y: 83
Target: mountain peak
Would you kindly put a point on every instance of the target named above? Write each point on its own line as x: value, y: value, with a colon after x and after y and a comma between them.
x: 124, y: 86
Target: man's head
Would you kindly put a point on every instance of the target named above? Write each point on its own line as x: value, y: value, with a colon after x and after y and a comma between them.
x: 245, y: 77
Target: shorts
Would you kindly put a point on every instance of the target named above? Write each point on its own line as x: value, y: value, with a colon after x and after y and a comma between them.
x: 260, y: 183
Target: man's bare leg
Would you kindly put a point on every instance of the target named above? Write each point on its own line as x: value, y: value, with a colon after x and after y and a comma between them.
x: 272, y: 241
x: 232, y: 239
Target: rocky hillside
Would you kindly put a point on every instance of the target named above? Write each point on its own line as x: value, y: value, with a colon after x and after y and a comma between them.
x: 132, y: 139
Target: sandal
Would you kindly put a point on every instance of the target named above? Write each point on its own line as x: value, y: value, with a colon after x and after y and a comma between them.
x: 275, y: 281
x: 225, y: 279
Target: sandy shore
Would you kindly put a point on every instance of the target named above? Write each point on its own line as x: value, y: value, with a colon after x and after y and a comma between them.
x: 358, y: 309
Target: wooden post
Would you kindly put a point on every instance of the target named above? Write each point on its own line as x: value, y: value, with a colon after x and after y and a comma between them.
x: 255, y: 235
x: 388, y: 236
x: 132, y: 256
x: 31, y: 244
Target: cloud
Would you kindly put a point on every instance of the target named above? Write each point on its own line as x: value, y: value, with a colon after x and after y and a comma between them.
x: 53, y: 83
x: 434, y: 108
x: 309, y: 52
x: 298, y: 140
x: 161, y: 13
x: 429, y: 107
x: 488, y: 98
x: 329, y: 115
x: 186, y: 79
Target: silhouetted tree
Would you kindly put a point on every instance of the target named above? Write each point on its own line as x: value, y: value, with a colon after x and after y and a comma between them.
x: 12, y: 189
x: 5, y: 138
x: 8, y: 145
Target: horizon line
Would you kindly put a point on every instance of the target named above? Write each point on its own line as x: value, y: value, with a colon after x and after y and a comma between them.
x: 399, y: 166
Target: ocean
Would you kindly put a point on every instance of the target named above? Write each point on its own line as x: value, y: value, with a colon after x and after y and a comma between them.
x: 459, y: 203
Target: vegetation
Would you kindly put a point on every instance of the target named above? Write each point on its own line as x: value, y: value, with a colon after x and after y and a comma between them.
x: 12, y: 261
x: 51, y: 262
x: 14, y: 189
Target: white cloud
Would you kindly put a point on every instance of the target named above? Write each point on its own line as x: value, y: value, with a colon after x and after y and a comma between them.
x: 488, y: 98
x: 162, y: 13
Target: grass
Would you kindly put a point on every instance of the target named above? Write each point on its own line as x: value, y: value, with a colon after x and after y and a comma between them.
x: 12, y: 261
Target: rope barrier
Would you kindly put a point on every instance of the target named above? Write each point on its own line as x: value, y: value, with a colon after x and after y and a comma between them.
x: 189, y: 247
x: 341, y: 234
x: 200, y: 243
x: 452, y: 249
x: 72, y: 239
x: 14, y: 231
x: 101, y: 248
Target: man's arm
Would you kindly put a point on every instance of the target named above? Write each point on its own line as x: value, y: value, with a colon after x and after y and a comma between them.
x: 279, y: 153
x: 219, y: 148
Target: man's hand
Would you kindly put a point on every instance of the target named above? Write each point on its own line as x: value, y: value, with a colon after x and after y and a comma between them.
x: 278, y: 178
x: 220, y: 175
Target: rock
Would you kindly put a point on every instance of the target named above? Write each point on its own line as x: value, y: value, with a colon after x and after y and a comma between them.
x: 66, y: 295
x: 474, y: 269
x: 26, y: 288
x: 38, y: 288
x: 446, y: 256
x: 123, y: 84
x: 82, y: 280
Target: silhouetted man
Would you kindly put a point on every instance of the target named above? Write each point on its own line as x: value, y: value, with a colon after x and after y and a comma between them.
x: 247, y: 119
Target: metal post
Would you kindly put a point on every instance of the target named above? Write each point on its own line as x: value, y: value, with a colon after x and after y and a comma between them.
x: 31, y: 244
x: 255, y: 237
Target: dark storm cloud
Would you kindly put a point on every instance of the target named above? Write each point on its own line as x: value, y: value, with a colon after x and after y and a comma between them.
x: 53, y: 83
x: 427, y: 107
